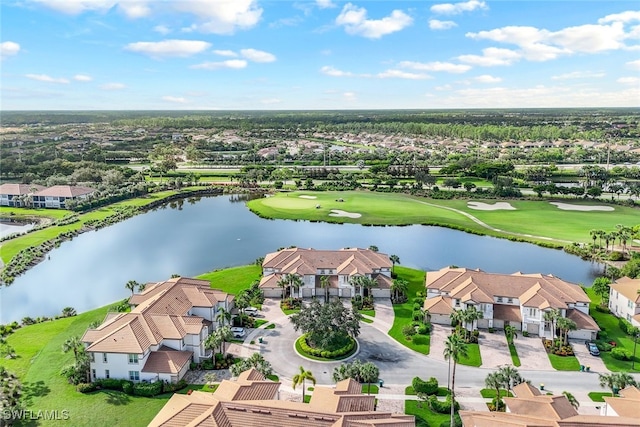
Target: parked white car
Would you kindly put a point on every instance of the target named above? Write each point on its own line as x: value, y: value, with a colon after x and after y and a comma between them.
x: 251, y: 311
x: 238, y: 331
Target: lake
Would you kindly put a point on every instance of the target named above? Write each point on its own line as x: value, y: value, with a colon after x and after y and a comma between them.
x: 196, y: 236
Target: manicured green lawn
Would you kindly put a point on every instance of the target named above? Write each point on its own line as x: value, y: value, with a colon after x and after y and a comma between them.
x: 371, y: 389
x: 609, y: 324
x: 442, y: 391
x: 473, y: 357
x: 597, y: 396
x: 425, y: 417
x: 403, y: 312
x: 370, y: 313
x: 514, y: 355
x: 366, y: 320
x: 489, y: 393
x: 8, y: 212
x: 537, y: 218
x: 564, y: 363
x: 233, y: 279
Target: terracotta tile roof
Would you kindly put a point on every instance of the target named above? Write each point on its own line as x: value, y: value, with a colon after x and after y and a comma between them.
x: 439, y: 305
x: 344, y: 261
x: 583, y: 321
x: 628, y: 288
x: 507, y: 312
x: 19, y: 189
x: 533, y: 290
x: 64, y: 191
x: 599, y: 421
x: 543, y: 406
x: 525, y: 390
x: 627, y: 404
x: 167, y: 361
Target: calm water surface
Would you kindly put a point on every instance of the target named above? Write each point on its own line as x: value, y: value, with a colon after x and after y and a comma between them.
x: 91, y: 270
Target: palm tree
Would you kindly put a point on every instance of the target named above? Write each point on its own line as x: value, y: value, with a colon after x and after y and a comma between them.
x: 594, y: 236
x: 454, y: 349
x: 470, y: 316
x: 551, y: 316
x: 494, y: 381
x: 510, y: 377
x: 223, y: 316
x: 367, y: 283
x: 395, y: 259
x: 282, y: 283
x: 224, y: 334
x: 510, y: 333
x: 131, y: 285
x: 73, y: 344
x: 601, y: 235
x: 572, y: 400
x: 369, y: 373
x: 213, y: 343
x: 565, y: 325
x: 608, y: 381
x: 300, y: 378
x: 399, y: 287
x: 324, y: 284
x: 456, y: 317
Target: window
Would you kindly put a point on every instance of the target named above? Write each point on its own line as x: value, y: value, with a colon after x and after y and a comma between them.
x: 628, y: 318
x: 499, y: 299
x: 106, y: 373
x: 93, y: 374
x: 92, y: 357
x: 510, y: 300
x: 533, y: 312
x: 104, y: 357
x: 134, y: 375
x: 630, y: 304
x: 457, y: 303
x: 133, y: 358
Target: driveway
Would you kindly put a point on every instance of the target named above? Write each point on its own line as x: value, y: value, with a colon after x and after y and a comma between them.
x: 439, y: 334
x: 494, y: 349
x: 586, y: 359
x: 532, y: 353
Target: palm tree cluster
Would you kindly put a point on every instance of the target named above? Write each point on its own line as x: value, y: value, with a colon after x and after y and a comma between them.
x: 616, y: 381
x: 363, y: 372
x: 465, y: 322
x: 622, y: 234
x: 505, y: 378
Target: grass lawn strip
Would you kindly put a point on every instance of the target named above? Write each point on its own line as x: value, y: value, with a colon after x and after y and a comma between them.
x: 530, y: 219
x: 474, y: 358
x: 489, y: 393
x: 609, y: 324
x: 564, y: 363
x: 514, y: 355
x: 403, y: 312
x: 425, y: 417
x: 597, y: 396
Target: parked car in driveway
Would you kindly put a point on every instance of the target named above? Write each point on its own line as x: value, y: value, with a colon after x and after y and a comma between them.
x: 237, y: 331
x: 593, y: 348
x: 251, y: 311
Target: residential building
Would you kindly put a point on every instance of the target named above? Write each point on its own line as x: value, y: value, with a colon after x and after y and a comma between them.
x: 340, y: 266
x: 530, y: 408
x: 624, y: 299
x: 16, y: 195
x: 519, y: 300
x: 165, y: 331
x: 626, y: 405
x: 56, y: 196
x: 252, y: 400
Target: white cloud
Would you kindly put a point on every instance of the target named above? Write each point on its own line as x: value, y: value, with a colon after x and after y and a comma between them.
x: 113, y: 86
x: 629, y: 80
x: 349, y: 96
x: 230, y: 63
x: 435, y: 66
x: 46, y: 78
x: 333, y: 72
x: 577, y: 75
x: 228, y: 53
x: 221, y: 16
x: 74, y: 7
x: 398, y: 74
x: 436, y: 24
x: 486, y: 78
x: 490, y: 57
x: 166, y: 48
x: 257, y: 55
x: 175, y: 99
x: 457, y: 8
x: 355, y: 21
x: 325, y: 4
x: 9, y: 49
x: 134, y: 9
x: 634, y: 65
x: 270, y: 101
x: 82, y: 78
x: 443, y: 87
x: 628, y: 16
x: 162, y: 29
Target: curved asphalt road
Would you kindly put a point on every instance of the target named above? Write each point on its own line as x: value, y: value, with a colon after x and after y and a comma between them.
x: 398, y: 364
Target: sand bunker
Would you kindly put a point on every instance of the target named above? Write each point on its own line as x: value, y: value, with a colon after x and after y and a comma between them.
x: 498, y: 206
x: 568, y: 207
x: 338, y: 212
x: 307, y: 197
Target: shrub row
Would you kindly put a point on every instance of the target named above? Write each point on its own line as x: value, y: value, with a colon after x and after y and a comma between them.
x: 128, y: 387
x: 317, y: 352
x: 620, y: 353
x: 626, y: 327
x: 442, y: 406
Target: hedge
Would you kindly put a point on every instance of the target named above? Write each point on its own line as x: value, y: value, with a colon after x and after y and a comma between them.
x: 147, y: 389
x: 318, y: 352
x: 426, y: 387
x: 620, y: 354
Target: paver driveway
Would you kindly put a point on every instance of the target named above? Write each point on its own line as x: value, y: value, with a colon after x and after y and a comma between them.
x: 532, y: 353
x: 595, y: 363
x: 494, y: 350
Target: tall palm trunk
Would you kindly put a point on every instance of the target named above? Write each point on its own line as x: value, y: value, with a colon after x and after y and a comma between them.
x: 453, y: 394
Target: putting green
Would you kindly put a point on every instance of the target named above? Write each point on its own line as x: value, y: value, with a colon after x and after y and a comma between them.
x: 535, y: 221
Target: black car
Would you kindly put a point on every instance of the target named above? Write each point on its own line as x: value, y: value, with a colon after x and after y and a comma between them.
x: 593, y: 348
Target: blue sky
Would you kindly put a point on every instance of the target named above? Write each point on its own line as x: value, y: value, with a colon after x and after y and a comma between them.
x: 324, y: 54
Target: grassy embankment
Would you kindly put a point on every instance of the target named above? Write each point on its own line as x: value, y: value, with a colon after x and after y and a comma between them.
x: 609, y: 323
x: 403, y: 312
x: 40, y: 358
x: 534, y: 221
x: 11, y: 247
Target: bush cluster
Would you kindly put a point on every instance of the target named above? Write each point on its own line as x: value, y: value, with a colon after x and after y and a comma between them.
x: 620, y: 353
x: 442, y: 406
x: 626, y: 327
x: 317, y: 352
x: 429, y: 387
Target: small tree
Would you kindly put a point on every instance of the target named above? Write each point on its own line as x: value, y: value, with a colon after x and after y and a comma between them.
x: 257, y: 361
x: 369, y: 373
x: 601, y: 288
x: 510, y: 333
x: 301, y: 377
x: 454, y: 349
x: 395, y: 259
x: 327, y: 325
x: 131, y: 285
x: 494, y: 380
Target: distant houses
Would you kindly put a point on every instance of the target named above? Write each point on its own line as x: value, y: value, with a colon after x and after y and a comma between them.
x: 624, y: 299
x: 519, y: 300
x: 37, y: 196
x: 161, y: 336
x: 340, y: 267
